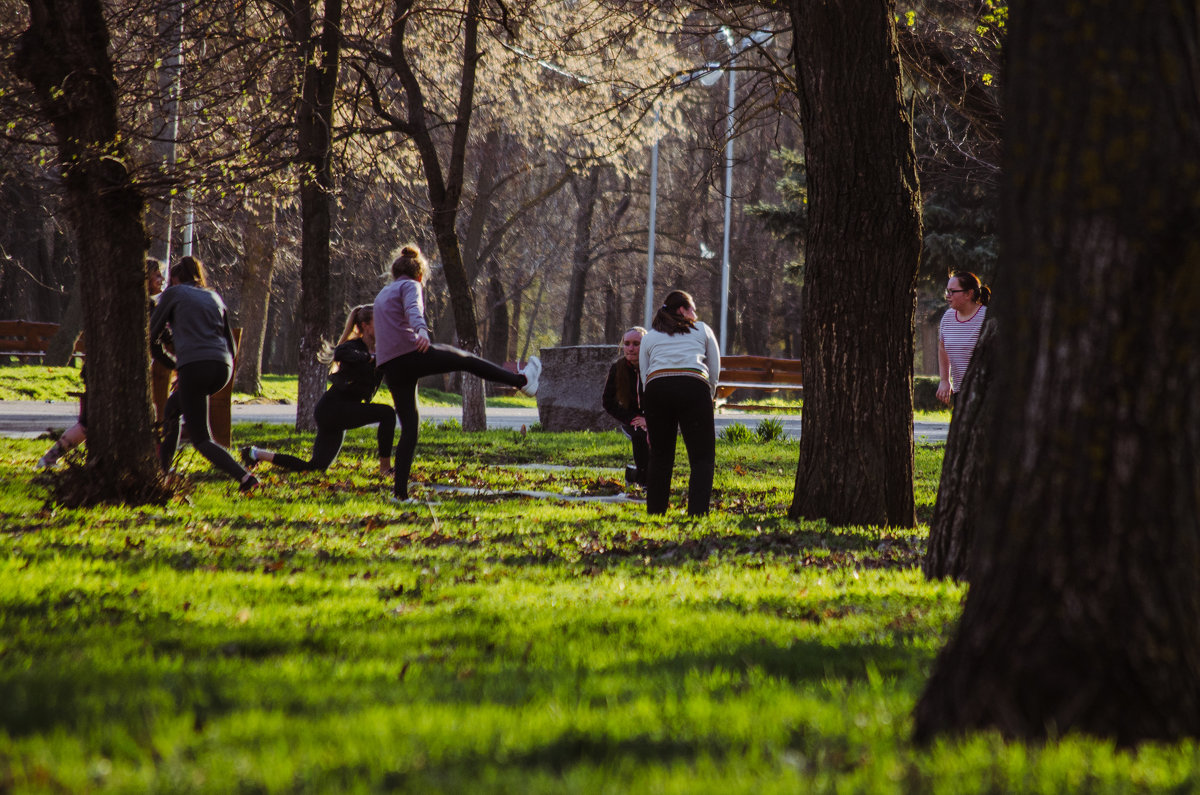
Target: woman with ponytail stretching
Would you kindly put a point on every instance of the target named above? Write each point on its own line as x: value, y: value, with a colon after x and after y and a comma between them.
x: 346, y: 404
x: 405, y: 354
x: 680, y: 363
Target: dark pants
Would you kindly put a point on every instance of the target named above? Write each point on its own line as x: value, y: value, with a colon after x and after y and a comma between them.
x: 195, y: 383
x: 402, y: 374
x: 641, y: 452
x: 335, y: 414
x: 685, y: 404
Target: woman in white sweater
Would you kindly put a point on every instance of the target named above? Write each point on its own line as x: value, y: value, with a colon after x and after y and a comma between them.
x: 680, y: 363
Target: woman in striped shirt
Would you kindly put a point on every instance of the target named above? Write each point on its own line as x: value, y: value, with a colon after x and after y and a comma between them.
x: 968, y: 298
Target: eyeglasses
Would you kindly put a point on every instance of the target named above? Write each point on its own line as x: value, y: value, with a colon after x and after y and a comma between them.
x: 952, y: 292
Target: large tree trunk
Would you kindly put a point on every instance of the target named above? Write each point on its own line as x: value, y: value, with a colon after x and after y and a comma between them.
x: 445, y: 184
x: 965, y: 466
x: 586, y: 191
x: 462, y: 299
x: 314, y: 125
x: 864, y: 241
x: 64, y: 54
x: 258, y: 265
x: 1084, y: 608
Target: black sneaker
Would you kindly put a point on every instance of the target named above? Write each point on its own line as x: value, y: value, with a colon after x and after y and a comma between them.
x: 630, y: 475
x: 248, y: 485
x: 248, y: 460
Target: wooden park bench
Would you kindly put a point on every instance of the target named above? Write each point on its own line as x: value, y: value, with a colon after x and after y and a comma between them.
x: 757, y: 372
x: 28, y: 339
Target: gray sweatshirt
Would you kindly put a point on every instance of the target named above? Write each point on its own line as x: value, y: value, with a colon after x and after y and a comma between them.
x: 199, y: 325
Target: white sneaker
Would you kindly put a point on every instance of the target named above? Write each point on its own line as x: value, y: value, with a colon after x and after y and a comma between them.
x: 533, y: 374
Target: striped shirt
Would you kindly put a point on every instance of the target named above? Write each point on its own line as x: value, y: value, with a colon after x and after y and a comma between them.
x: 959, y: 338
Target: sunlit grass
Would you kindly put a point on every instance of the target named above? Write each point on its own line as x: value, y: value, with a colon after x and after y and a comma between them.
x: 316, y: 637
x: 38, y: 382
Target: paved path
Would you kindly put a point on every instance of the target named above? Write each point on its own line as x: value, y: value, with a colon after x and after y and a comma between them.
x: 29, y: 418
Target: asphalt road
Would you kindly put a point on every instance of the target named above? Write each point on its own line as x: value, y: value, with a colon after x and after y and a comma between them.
x: 28, y: 418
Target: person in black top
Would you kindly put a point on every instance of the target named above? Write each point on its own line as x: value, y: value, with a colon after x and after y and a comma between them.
x: 623, y: 400
x: 346, y: 404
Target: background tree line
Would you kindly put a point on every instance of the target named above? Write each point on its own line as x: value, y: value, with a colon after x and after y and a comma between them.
x: 552, y: 209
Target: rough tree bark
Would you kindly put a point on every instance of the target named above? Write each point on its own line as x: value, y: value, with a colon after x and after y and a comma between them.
x: 964, y: 466
x: 319, y: 55
x: 1084, y: 608
x: 863, y: 246
x: 586, y: 191
x: 64, y: 54
x: 445, y: 183
x: 258, y: 266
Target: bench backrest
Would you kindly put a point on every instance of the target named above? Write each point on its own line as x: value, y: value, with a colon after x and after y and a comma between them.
x: 25, y: 336
x: 760, y: 370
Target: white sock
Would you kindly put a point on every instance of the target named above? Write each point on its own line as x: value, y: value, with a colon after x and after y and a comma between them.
x: 254, y: 451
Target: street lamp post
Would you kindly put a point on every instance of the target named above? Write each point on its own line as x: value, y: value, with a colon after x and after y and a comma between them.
x: 649, y: 313
x: 735, y: 49
x: 707, y: 76
x: 728, y: 206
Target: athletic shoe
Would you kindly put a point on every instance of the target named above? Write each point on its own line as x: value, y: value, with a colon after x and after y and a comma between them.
x: 248, y: 485
x: 533, y: 374
x: 248, y: 461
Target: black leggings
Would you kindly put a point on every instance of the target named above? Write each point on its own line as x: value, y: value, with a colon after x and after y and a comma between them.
x: 335, y: 414
x: 196, y: 382
x: 401, y: 375
x: 684, y: 403
x: 641, y: 452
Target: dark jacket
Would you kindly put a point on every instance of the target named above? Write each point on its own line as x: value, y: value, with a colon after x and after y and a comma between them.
x: 610, y: 399
x: 199, y: 326
x: 356, y: 377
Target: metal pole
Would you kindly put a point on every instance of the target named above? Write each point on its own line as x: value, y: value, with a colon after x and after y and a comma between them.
x: 728, y: 205
x: 173, y: 66
x: 189, y: 218
x: 649, y: 313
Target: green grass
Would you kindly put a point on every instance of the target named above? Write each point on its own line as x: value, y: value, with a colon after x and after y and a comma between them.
x: 38, y: 382
x: 315, y: 638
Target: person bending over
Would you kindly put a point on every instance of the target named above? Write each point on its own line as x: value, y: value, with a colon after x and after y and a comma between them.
x: 680, y: 364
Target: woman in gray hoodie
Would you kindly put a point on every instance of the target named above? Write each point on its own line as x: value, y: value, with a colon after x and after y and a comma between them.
x: 204, y: 353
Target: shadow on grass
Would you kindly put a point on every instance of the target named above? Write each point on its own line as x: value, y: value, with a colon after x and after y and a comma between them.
x: 91, y: 676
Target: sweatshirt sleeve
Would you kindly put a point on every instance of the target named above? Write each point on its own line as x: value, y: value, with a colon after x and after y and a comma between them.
x: 158, y: 327
x: 712, y: 359
x: 414, y: 308
x: 644, y: 359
